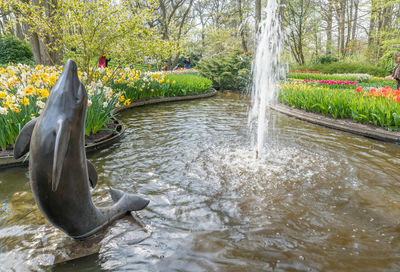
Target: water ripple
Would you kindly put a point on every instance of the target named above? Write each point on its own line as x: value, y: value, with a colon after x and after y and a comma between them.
x: 318, y: 199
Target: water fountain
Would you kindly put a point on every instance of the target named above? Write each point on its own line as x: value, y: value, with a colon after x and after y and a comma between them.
x: 266, y: 74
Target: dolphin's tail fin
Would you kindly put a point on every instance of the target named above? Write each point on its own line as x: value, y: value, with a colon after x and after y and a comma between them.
x: 127, y: 201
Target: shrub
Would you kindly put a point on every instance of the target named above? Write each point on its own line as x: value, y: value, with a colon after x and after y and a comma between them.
x: 14, y: 50
x: 326, y: 59
x: 228, y: 72
x: 387, y: 63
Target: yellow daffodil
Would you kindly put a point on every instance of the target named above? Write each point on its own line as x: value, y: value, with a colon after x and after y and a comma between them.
x: 25, y: 101
x: 28, y: 90
x: 44, y: 93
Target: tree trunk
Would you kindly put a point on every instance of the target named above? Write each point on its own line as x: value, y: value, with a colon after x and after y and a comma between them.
x: 35, y: 45
x: 349, y: 28
x: 19, y: 33
x: 355, y: 20
x: 164, y: 23
x: 342, y: 26
x: 41, y: 44
x: 371, y: 32
x: 242, y: 26
x: 329, y: 21
x: 180, y: 33
x: 282, y: 6
x: 257, y: 15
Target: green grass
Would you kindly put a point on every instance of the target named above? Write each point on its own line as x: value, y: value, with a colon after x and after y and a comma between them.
x: 171, y: 85
x: 342, y: 67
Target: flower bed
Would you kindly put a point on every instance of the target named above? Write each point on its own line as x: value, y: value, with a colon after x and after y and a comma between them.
x: 331, y: 82
x: 368, y: 106
x: 24, y: 91
x: 307, y: 72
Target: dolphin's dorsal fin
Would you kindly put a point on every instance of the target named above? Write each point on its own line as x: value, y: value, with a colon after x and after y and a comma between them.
x: 23, y: 141
x: 60, y: 150
x: 92, y: 174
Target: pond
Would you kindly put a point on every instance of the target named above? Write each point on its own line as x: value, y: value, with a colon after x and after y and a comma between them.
x: 318, y: 199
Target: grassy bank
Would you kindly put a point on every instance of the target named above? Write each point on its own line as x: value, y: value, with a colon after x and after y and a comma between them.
x: 144, y: 86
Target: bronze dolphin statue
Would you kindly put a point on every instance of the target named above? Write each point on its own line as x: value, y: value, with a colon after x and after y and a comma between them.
x: 59, y: 172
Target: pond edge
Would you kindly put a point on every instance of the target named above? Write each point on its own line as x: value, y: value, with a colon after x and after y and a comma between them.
x: 9, y: 161
x: 346, y: 125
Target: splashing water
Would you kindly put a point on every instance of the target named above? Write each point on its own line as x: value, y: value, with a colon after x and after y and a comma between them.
x: 266, y: 74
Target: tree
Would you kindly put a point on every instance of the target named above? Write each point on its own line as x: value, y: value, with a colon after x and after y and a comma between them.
x: 86, y: 30
x: 384, y: 28
x: 172, y: 16
x: 297, y: 21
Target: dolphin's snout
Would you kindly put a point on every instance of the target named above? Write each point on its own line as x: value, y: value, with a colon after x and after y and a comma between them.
x: 70, y: 66
x: 69, y: 84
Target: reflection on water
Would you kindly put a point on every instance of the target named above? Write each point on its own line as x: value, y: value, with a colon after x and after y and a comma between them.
x: 318, y: 199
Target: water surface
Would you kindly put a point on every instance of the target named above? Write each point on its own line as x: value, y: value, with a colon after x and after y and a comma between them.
x: 318, y: 199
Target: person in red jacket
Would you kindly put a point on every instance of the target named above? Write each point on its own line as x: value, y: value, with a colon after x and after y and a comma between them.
x: 102, y: 62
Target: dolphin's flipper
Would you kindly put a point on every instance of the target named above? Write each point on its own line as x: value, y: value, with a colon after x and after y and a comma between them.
x: 92, y: 174
x: 129, y: 202
x: 116, y: 194
x: 23, y: 141
x: 60, y: 149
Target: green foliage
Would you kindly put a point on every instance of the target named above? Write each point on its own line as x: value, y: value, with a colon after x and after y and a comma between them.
x: 194, y: 59
x: 219, y: 42
x: 339, y: 103
x: 87, y: 30
x: 341, y: 67
x: 326, y: 59
x: 117, y: 31
x: 228, y: 72
x: 15, y: 51
x: 387, y: 63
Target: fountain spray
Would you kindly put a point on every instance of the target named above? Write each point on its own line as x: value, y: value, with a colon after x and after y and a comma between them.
x: 266, y: 74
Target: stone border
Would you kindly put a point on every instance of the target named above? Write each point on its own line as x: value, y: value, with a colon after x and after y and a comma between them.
x: 108, y: 140
x: 346, y: 125
x: 9, y: 161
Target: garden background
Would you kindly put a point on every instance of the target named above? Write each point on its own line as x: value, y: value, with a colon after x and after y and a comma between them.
x: 337, y: 52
